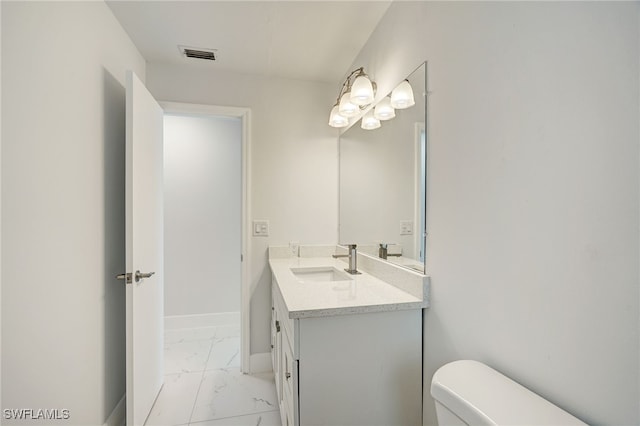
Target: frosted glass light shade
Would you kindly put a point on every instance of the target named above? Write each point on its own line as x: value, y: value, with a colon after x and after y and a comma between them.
x: 362, y: 91
x: 369, y: 122
x: 402, y: 96
x: 384, y: 110
x: 337, y: 120
x: 346, y: 108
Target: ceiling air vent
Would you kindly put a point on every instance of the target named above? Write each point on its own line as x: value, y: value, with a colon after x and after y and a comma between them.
x: 198, y: 53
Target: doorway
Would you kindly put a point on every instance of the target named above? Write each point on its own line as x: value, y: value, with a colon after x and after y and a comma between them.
x: 206, y: 204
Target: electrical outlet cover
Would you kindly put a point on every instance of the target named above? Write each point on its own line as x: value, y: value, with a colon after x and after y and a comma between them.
x: 406, y: 227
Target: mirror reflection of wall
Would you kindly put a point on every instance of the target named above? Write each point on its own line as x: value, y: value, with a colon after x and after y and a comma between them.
x: 382, y: 183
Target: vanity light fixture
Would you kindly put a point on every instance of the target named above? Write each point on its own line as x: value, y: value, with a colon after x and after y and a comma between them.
x: 402, y: 96
x: 362, y: 90
x: 336, y: 119
x: 383, y: 110
x: 369, y: 122
x: 357, y: 92
x: 346, y: 108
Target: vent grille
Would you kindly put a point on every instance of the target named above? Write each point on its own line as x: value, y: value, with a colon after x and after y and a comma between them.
x: 197, y: 53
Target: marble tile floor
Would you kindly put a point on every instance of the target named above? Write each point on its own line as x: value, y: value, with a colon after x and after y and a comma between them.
x: 203, y: 385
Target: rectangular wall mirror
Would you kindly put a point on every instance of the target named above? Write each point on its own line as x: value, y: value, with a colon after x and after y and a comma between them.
x: 383, y: 183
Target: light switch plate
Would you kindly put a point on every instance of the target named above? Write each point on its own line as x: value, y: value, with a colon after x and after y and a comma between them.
x: 406, y: 227
x: 260, y: 228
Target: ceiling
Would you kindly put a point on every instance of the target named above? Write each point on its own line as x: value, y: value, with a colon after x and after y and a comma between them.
x: 308, y: 40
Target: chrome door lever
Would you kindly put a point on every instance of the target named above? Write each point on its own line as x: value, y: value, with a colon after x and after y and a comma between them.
x: 141, y: 275
x: 138, y: 276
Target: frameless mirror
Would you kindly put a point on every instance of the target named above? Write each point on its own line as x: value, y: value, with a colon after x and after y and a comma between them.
x: 383, y: 183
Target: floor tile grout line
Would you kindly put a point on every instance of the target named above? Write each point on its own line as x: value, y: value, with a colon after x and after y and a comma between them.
x: 204, y: 370
x: 190, y: 341
x: 167, y: 374
x: 233, y: 417
x: 223, y: 331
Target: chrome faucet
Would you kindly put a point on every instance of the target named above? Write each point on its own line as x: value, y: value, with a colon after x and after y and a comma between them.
x: 383, y: 252
x: 353, y: 259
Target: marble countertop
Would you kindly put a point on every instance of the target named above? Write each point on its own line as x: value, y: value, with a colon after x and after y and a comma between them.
x: 363, y: 293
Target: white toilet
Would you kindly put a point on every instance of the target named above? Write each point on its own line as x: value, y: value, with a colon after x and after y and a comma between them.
x: 471, y: 393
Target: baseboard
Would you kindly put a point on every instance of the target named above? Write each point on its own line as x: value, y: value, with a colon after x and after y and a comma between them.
x: 201, y: 320
x: 118, y: 416
x: 261, y: 363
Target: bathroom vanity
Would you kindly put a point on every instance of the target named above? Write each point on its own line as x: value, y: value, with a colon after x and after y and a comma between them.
x: 347, y: 349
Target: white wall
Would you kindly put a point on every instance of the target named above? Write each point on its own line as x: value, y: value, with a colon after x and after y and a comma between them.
x: 293, y: 171
x: 63, y: 335
x: 202, y: 197
x: 533, y: 209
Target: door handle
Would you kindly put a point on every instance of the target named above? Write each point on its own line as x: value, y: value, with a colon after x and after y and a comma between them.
x: 138, y: 276
x: 141, y: 275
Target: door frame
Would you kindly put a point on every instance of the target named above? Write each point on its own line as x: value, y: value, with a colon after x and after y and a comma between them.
x: 245, y: 245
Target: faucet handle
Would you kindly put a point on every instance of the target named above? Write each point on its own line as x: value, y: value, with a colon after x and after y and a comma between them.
x: 352, y: 246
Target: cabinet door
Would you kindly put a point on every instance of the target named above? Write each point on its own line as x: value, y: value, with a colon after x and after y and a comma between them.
x: 276, y: 351
x: 286, y: 414
x: 286, y: 418
x: 363, y: 369
x: 289, y: 373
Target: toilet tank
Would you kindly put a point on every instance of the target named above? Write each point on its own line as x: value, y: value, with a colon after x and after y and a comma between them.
x: 471, y: 393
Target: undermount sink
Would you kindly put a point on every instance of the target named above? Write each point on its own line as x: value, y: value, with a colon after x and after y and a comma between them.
x: 320, y: 274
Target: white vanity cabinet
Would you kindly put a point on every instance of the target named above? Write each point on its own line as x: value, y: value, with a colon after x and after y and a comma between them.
x: 285, y: 365
x: 360, y: 368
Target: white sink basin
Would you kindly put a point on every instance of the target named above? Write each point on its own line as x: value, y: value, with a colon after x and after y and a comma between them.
x: 320, y: 274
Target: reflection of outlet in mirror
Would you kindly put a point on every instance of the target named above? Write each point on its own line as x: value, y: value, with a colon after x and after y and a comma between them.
x: 406, y: 227
x: 260, y: 228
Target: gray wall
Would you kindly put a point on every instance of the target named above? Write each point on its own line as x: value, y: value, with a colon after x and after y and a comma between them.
x: 533, y: 191
x: 202, y: 214
x: 63, y: 130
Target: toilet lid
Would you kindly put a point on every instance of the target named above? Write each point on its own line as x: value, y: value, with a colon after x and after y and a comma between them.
x: 479, y: 394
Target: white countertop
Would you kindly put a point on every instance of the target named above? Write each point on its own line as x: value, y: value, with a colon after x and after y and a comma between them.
x: 363, y: 293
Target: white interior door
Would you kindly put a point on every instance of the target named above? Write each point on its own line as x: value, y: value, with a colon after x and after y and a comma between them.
x: 144, y: 250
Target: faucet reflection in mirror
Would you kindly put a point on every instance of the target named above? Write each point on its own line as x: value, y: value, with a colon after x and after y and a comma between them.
x: 358, y: 92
